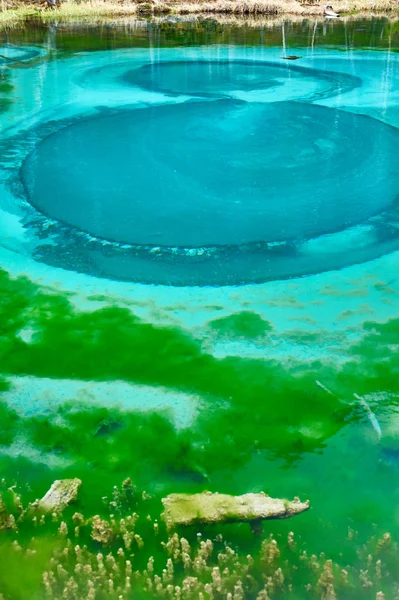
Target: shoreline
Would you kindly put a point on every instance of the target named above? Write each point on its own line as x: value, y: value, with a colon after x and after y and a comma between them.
x: 270, y: 9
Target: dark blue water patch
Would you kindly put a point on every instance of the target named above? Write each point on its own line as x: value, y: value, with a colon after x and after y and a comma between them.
x: 213, y: 192
x: 10, y: 53
x: 74, y: 250
x: 390, y: 457
x: 222, y: 77
x: 205, y: 78
x: 219, y: 78
x: 215, y: 173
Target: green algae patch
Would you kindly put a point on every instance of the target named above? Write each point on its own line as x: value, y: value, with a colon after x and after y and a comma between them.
x: 244, y: 324
x: 250, y: 404
x: 103, y: 344
x: 9, y: 422
x: 249, y: 407
x: 106, y: 443
x: 6, y: 90
x: 112, y: 343
x: 23, y: 573
x: 253, y: 411
x: 114, y: 444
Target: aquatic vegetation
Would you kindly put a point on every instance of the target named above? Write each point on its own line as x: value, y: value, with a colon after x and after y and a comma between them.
x: 5, y: 86
x: 280, y: 402
x: 8, y: 424
x: 75, y: 344
x: 245, y: 324
x: 279, y: 407
x: 102, y: 441
x: 254, y: 408
x: 6, y: 89
x: 125, y: 552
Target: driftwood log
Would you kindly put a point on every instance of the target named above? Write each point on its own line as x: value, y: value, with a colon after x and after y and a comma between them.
x: 209, y: 508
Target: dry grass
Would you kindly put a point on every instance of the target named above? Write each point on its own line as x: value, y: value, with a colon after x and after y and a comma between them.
x: 94, y: 8
x: 239, y: 7
x: 14, y: 15
x: 106, y: 9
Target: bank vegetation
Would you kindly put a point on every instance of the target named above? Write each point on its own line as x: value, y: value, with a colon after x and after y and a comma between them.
x: 16, y: 11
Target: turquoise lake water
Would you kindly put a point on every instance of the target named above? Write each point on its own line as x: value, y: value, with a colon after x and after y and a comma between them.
x: 241, y: 210
x: 308, y: 144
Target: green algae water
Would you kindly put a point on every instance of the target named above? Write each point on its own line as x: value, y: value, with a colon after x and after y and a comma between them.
x: 199, y: 286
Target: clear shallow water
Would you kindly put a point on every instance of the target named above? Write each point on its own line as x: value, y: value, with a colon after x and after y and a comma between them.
x: 130, y: 169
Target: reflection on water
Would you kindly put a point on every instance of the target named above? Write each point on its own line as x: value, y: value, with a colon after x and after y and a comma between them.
x: 192, y: 154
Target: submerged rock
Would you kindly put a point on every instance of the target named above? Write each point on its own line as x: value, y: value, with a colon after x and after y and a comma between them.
x: 190, y: 509
x: 61, y: 493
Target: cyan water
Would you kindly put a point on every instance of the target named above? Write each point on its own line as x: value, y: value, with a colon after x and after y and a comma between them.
x: 215, y: 228
x: 208, y: 167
